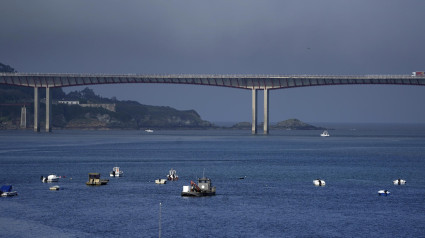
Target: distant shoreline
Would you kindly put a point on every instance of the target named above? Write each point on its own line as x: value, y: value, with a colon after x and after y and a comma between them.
x: 228, y: 126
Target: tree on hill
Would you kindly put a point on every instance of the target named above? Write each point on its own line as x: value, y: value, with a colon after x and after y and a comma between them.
x: 6, y: 68
x: 86, y: 95
x: 19, y: 94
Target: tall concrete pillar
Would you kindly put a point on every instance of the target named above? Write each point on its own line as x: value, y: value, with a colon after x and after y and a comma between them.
x: 254, y: 111
x: 23, y: 117
x: 36, y: 110
x: 48, y: 110
x: 266, y: 111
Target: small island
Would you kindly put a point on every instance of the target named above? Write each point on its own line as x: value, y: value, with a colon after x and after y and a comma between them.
x: 295, y: 124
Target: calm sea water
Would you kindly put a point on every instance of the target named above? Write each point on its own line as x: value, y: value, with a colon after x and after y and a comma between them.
x: 276, y: 199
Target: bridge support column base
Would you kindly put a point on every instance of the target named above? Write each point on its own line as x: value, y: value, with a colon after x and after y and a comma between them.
x: 48, y: 110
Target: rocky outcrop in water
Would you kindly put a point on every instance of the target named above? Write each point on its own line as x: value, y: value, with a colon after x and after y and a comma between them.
x: 295, y: 124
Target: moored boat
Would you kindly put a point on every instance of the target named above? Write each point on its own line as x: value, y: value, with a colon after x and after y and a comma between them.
x: 149, y: 130
x: 383, y: 193
x: 319, y: 182
x: 172, y: 175
x: 94, y: 179
x: 325, y: 133
x: 203, y: 188
x: 49, y: 179
x: 116, y: 172
x: 6, y: 191
x: 55, y: 188
x: 399, y: 182
x: 160, y: 181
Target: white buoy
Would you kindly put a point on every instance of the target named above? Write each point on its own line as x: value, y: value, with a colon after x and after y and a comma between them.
x: 319, y: 182
x: 399, y: 182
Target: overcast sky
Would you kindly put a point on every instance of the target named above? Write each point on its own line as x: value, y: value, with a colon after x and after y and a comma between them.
x: 227, y: 37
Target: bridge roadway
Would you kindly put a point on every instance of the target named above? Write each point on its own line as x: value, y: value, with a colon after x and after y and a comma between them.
x: 250, y: 82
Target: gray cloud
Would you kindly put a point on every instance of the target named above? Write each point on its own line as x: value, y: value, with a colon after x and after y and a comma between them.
x: 239, y: 36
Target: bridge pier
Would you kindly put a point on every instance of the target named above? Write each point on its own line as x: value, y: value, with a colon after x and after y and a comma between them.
x: 266, y: 111
x: 254, y: 111
x: 36, y: 110
x: 48, y: 110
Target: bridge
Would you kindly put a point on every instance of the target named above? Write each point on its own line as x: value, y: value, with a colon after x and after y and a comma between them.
x: 248, y: 82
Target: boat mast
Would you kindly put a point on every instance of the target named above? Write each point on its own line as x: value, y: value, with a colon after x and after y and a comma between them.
x: 159, y: 235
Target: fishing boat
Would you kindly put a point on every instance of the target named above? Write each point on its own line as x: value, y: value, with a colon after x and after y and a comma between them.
x: 6, y: 191
x: 399, y: 182
x: 149, y: 130
x: 325, y: 134
x: 116, y: 172
x: 172, y: 175
x: 319, y: 182
x: 203, y: 188
x: 55, y: 188
x: 94, y: 179
x: 383, y: 193
x: 160, y: 181
x: 49, y: 179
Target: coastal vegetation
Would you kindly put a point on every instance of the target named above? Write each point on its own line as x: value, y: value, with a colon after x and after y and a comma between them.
x: 127, y: 114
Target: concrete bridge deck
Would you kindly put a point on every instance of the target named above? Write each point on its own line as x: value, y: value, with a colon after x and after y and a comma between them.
x: 234, y: 81
x: 251, y: 82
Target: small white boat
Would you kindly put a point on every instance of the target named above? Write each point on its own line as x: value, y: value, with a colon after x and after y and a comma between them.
x: 319, y: 182
x: 55, y: 188
x: 399, y: 182
x: 160, y: 181
x: 6, y: 191
x: 148, y: 130
x: 9, y: 194
x: 51, y: 178
x: 383, y: 193
x: 325, y: 134
x: 172, y: 175
x: 116, y: 172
